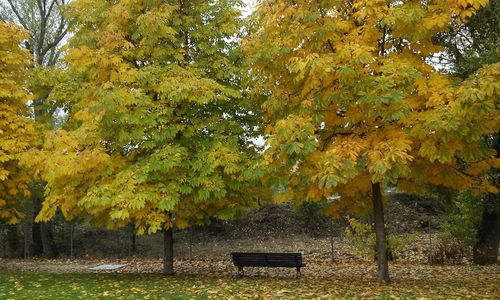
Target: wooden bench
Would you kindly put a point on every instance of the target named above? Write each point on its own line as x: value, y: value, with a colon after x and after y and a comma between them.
x: 273, y: 260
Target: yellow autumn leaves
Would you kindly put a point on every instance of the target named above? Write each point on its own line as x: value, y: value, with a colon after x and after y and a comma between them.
x: 351, y: 98
x: 16, y: 132
x: 157, y: 118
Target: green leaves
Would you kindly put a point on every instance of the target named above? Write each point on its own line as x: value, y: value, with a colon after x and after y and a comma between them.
x: 157, y: 103
x: 293, y: 137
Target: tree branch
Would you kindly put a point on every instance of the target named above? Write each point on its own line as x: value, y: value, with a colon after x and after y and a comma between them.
x: 59, y: 36
x: 61, y: 32
x: 50, y: 8
x: 18, y: 15
x: 322, y: 14
x: 41, y: 38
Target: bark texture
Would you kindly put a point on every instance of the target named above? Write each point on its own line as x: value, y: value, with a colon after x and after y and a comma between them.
x: 381, y: 239
x: 13, y: 245
x: 168, y: 255
x: 43, y: 240
x: 488, y: 235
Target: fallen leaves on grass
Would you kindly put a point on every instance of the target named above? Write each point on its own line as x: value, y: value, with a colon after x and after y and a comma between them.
x: 154, y: 286
x: 216, y: 280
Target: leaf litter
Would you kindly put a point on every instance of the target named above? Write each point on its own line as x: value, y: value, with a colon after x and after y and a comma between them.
x: 217, y: 279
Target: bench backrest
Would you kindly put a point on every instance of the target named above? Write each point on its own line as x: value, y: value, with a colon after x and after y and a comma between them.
x: 267, y: 259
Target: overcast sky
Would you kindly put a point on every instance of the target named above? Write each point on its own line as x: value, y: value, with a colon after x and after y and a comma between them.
x: 249, y: 7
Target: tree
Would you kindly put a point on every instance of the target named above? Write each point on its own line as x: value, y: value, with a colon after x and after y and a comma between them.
x: 158, y: 133
x: 45, y: 23
x: 469, y: 47
x: 16, y: 130
x: 352, y: 103
x: 485, y: 250
x: 47, y: 28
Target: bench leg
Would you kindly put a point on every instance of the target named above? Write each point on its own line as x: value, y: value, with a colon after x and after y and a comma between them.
x: 241, y: 273
x: 298, y: 272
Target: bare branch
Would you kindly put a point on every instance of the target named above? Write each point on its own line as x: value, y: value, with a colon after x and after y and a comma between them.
x: 18, y: 15
x: 53, y: 57
x: 62, y: 30
x: 52, y: 4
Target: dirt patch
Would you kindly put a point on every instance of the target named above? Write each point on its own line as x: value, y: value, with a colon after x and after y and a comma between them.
x: 49, y: 266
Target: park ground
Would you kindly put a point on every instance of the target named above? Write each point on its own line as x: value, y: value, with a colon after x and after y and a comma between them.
x: 334, y: 268
x: 217, y: 279
x: 332, y: 281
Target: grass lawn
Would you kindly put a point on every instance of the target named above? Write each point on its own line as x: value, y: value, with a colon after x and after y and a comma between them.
x: 23, y: 285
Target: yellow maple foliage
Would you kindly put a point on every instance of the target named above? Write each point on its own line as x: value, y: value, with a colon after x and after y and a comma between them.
x: 351, y: 102
x: 351, y: 94
x: 16, y: 131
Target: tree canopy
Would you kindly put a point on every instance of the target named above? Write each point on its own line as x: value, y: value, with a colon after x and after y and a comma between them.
x: 163, y: 101
x: 352, y: 101
x: 45, y: 23
x: 16, y: 130
x: 157, y: 126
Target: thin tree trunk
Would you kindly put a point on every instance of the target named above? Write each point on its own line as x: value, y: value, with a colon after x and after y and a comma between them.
x: 331, y: 241
x: 485, y: 251
x: 48, y: 243
x: 133, y: 247
x: 35, y: 229
x: 13, y: 250
x: 381, y: 240
x: 488, y: 235
x: 71, y: 235
x: 191, y: 233
x: 168, y: 255
x: 43, y: 240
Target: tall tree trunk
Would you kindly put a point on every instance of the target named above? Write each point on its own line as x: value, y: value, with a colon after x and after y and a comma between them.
x: 132, y: 246
x: 485, y: 250
x: 381, y: 240
x: 168, y: 255
x: 488, y: 235
x: 48, y: 243
x: 43, y: 240
x: 35, y: 229
x: 13, y: 249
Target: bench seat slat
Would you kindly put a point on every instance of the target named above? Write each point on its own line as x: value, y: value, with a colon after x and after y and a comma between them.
x: 270, y: 259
